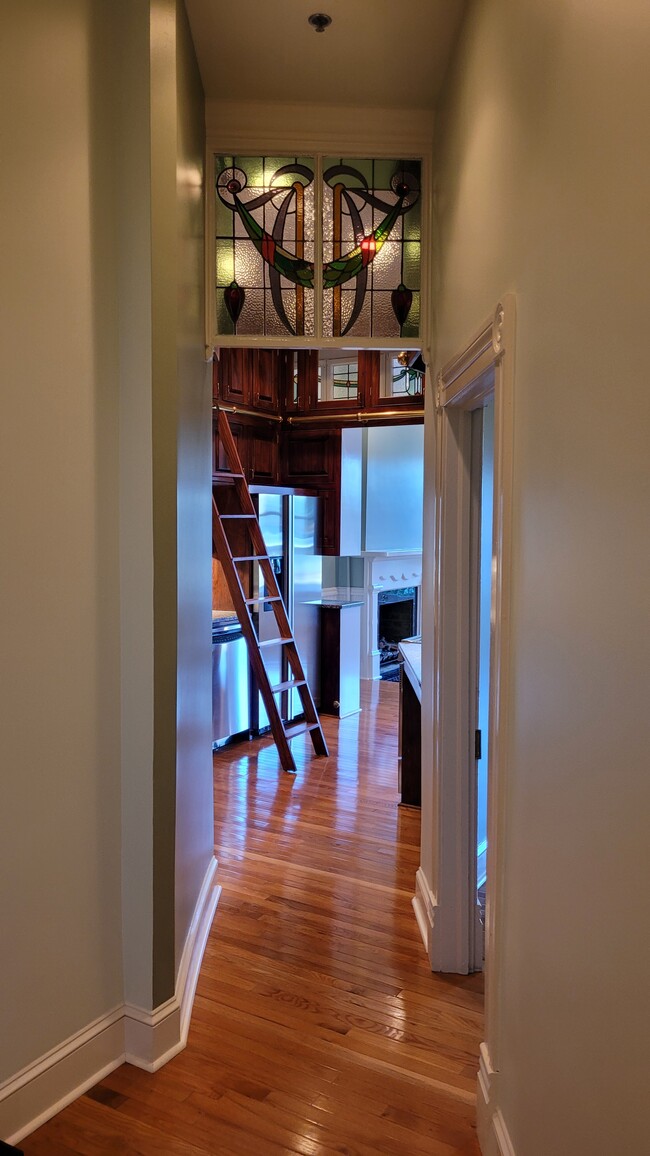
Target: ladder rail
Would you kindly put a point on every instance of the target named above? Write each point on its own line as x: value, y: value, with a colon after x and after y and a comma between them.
x: 246, y: 516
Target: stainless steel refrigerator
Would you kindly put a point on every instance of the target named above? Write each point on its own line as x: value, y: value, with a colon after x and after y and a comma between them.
x: 289, y: 524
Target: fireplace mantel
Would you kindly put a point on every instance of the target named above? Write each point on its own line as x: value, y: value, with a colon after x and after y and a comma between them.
x: 384, y: 571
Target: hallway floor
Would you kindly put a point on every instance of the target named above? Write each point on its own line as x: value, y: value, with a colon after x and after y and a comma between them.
x: 318, y: 1026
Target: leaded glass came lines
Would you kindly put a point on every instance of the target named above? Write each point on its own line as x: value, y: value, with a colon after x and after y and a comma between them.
x: 369, y: 223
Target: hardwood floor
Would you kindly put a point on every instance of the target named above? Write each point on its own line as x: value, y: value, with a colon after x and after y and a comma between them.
x: 318, y: 1026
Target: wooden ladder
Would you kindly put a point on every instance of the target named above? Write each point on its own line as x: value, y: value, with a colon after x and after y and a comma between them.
x: 241, y: 515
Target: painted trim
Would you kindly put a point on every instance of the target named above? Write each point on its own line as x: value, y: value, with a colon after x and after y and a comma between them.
x: 485, y: 365
x: 126, y: 1034
x: 492, y: 1130
x: 424, y: 906
x: 52, y: 1082
x: 505, y: 1146
x: 152, y: 1038
x: 277, y: 128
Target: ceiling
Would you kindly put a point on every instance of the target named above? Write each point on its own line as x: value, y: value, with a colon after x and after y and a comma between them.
x: 375, y: 54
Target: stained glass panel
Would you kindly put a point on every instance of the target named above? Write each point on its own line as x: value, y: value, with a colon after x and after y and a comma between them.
x: 265, y: 245
x: 371, y: 247
x: 370, y: 229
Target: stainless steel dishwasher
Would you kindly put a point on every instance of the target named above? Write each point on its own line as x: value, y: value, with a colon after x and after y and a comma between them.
x: 230, y: 681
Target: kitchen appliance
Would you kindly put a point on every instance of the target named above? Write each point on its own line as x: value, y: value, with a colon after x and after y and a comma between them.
x: 230, y: 680
x: 289, y: 525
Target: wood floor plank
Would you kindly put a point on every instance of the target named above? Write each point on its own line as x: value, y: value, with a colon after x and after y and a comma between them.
x: 318, y: 1027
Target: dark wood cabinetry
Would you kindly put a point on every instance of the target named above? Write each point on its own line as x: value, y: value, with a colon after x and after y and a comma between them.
x: 252, y: 378
x: 269, y: 373
x: 264, y: 454
x: 233, y: 372
x: 258, y: 446
x: 311, y: 458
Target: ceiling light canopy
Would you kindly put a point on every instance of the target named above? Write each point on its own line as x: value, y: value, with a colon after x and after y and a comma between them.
x: 319, y: 21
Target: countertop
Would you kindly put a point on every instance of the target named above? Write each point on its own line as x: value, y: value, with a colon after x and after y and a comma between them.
x: 223, y: 620
x: 411, y: 651
x: 339, y: 597
x: 334, y: 603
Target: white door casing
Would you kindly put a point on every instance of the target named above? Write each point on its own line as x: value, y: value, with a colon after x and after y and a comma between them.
x: 442, y: 901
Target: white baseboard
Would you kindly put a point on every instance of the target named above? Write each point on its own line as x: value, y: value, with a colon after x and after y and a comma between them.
x: 146, y: 1039
x: 52, y: 1082
x: 151, y: 1038
x: 424, y: 906
x: 504, y: 1143
x: 493, y: 1134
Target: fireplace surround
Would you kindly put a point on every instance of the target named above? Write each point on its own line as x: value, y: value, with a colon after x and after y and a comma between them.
x: 387, y: 574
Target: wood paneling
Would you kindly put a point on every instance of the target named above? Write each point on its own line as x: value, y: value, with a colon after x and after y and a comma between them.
x: 318, y: 1026
x: 312, y: 457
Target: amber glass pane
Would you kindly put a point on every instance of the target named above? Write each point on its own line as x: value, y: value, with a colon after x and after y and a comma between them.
x: 264, y: 245
x: 371, y: 247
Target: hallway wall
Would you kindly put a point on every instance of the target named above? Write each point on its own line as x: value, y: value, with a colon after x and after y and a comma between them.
x: 106, y: 834
x: 543, y: 186
x: 60, y: 704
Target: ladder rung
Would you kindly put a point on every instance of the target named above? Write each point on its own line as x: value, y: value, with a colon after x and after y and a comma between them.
x: 224, y: 516
x: 300, y: 728
x: 261, y: 598
x: 226, y: 475
x: 290, y: 684
x: 275, y: 642
x: 252, y: 558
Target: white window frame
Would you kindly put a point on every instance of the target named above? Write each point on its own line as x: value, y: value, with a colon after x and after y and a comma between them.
x: 408, y: 137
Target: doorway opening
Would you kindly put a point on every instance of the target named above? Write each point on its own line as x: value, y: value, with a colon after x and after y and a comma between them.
x: 446, y: 885
x: 480, y: 576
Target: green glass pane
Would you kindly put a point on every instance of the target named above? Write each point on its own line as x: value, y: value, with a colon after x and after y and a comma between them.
x: 384, y: 171
x: 223, y: 220
x: 411, y: 265
x: 411, y: 327
x: 254, y: 169
x: 272, y: 164
x: 413, y: 223
x: 225, y: 262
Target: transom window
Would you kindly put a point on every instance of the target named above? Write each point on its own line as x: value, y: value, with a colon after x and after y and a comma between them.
x: 317, y: 247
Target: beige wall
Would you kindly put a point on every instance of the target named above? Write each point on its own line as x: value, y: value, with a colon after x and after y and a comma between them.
x: 543, y: 189
x: 105, y: 402
x: 59, y: 492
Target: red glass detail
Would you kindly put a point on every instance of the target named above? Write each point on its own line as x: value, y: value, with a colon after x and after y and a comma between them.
x: 368, y: 248
x: 268, y: 249
x: 234, y: 297
x: 401, y: 300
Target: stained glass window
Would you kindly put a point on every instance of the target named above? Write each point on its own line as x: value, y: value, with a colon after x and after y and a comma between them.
x: 401, y: 376
x: 265, y: 245
x: 371, y: 248
x: 270, y: 216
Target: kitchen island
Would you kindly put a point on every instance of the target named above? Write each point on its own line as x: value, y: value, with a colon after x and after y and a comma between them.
x: 410, y: 742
